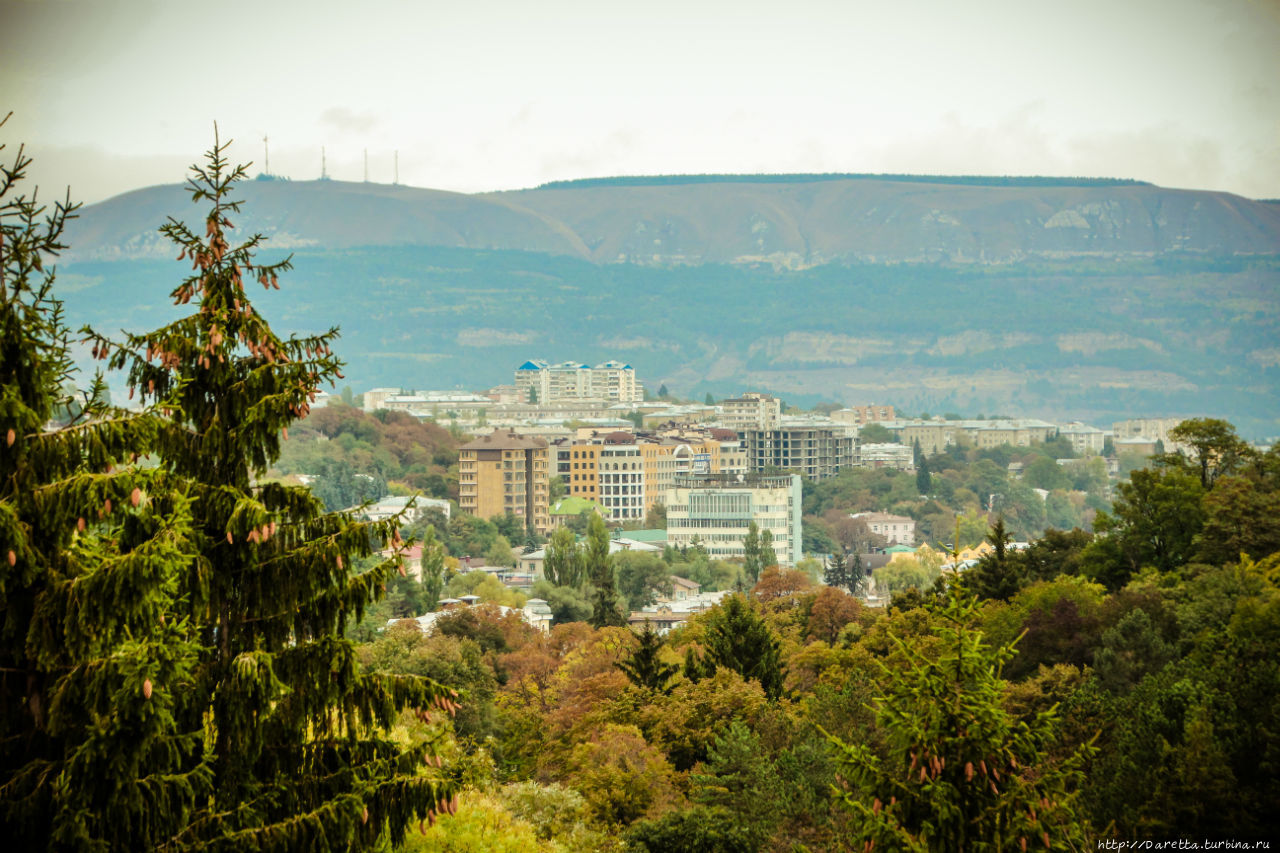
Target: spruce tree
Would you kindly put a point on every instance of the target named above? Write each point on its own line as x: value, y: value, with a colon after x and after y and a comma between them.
x: 737, y: 638
x: 836, y: 572
x: 95, y: 654
x: 644, y: 667
x: 294, y: 734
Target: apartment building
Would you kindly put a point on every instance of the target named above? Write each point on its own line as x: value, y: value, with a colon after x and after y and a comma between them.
x: 1153, y: 429
x: 751, y: 411
x: 505, y: 472
x: 611, y: 381
x: 620, y: 471
x: 860, y: 415
x: 602, y: 467
x: 1085, y: 440
x: 716, y: 512
x: 937, y: 434
x: 816, y: 451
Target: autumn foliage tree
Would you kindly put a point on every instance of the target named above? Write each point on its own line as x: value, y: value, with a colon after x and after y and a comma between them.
x: 292, y: 732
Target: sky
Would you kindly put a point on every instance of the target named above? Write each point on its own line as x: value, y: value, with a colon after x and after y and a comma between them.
x: 502, y: 94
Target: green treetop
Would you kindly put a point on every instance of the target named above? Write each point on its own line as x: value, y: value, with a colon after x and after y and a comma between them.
x: 959, y: 772
x: 599, y: 571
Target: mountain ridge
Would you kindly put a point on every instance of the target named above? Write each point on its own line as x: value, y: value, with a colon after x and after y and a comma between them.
x: 787, y: 221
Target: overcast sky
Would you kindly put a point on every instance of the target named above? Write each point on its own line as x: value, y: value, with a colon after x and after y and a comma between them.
x: 498, y: 94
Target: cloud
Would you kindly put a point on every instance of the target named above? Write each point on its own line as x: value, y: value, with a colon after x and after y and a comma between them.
x: 346, y: 120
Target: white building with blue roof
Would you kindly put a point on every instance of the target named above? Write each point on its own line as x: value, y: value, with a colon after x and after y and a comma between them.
x: 610, y: 381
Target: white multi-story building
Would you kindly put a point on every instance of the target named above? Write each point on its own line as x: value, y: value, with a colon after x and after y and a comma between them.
x: 612, y: 381
x: 620, y: 474
x: 716, y: 512
x: 1085, y: 440
x: 897, y: 456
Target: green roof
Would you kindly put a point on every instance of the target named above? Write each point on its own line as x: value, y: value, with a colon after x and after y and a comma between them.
x: 900, y: 549
x: 574, y: 505
x: 654, y: 535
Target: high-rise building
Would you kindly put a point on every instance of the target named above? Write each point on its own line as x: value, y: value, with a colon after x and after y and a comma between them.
x: 716, y: 512
x: 505, y: 472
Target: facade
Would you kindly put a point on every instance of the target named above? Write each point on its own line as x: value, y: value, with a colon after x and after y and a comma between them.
x: 1085, y: 440
x: 751, y: 411
x: 611, y: 381
x: 1152, y: 429
x: 716, y: 511
x: 505, y: 472
x: 621, y: 480
x: 937, y: 434
x: 896, y: 529
x: 815, y: 451
x: 629, y: 474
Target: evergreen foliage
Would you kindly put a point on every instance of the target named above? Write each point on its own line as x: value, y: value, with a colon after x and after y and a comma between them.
x: 997, y: 575
x: 738, y: 639
x: 645, y: 667
x: 96, y: 652
x: 286, y: 730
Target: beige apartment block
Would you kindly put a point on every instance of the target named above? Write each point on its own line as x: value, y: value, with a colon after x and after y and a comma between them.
x: 860, y: 415
x: 751, y: 411
x: 505, y: 472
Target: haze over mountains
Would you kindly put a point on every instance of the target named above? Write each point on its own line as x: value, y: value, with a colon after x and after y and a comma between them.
x: 1036, y: 296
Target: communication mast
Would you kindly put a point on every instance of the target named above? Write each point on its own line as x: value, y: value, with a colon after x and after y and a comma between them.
x: 266, y: 157
x: 324, y: 171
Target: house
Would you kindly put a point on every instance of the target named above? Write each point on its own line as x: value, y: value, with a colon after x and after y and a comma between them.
x: 531, y: 563
x: 896, y: 529
x: 682, y: 589
x: 383, y: 509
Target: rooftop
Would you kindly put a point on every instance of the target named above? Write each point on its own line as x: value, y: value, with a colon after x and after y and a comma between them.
x: 508, y: 440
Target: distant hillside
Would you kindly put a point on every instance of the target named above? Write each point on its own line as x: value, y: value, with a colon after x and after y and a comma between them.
x: 1097, y: 301
x: 787, y: 221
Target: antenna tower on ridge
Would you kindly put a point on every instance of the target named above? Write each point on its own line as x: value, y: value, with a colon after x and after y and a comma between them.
x: 324, y: 171
x: 266, y: 157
